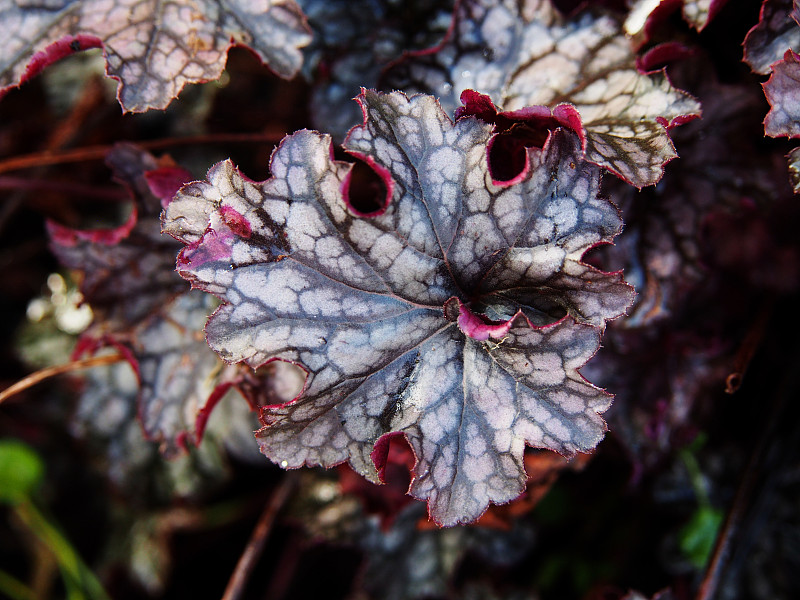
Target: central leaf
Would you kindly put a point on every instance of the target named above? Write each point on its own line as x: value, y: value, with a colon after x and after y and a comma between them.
x: 458, y: 316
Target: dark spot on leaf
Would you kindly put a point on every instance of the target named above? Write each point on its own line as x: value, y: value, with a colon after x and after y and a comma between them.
x: 507, y: 157
x: 75, y: 45
x: 365, y: 192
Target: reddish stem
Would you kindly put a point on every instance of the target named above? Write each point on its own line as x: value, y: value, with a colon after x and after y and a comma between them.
x: 251, y: 554
x: 87, y: 153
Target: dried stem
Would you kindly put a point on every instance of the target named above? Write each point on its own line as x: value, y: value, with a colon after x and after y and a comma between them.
x: 46, y: 373
x: 86, y: 153
x: 255, y: 545
x: 748, y: 348
x: 66, y: 187
x: 728, y: 533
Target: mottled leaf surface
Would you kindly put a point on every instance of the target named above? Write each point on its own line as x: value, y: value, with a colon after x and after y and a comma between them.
x: 777, y: 30
x: 783, y: 94
x: 177, y: 371
x: 441, y: 318
x: 153, y: 47
x: 140, y: 303
x: 353, y: 41
x: 528, y: 54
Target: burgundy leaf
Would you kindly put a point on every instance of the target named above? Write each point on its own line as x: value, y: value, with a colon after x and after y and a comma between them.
x: 441, y: 318
x: 530, y: 55
x: 783, y: 94
x: 777, y: 30
x: 153, y: 48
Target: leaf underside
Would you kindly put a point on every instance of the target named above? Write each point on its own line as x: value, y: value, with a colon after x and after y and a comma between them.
x: 376, y: 309
x: 152, y: 48
x: 529, y: 55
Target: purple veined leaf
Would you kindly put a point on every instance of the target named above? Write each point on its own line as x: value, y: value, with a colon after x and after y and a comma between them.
x: 659, y: 372
x: 783, y: 94
x: 142, y: 307
x: 106, y: 421
x: 353, y: 41
x: 529, y: 55
x: 458, y: 316
x: 663, y: 249
x: 777, y: 31
x: 153, y: 49
x: 177, y: 372
x: 643, y: 14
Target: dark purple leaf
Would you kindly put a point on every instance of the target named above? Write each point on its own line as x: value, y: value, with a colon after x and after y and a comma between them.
x: 153, y: 48
x: 407, y: 562
x: 441, y: 318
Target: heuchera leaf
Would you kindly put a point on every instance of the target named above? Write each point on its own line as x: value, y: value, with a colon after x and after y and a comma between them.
x: 663, y: 248
x: 354, y: 40
x: 176, y: 370
x: 442, y: 317
x: 783, y: 94
x: 777, y: 30
x: 141, y: 304
x: 127, y: 271
x: 530, y: 55
x: 153, y: 48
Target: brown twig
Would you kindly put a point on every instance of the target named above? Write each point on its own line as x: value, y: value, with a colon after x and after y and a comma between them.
x: 46, y: 373
x: 723, y: 547
x: 86, y: 153
x: 748, y: 349
x: 248, y: 559
x: 66, y: 187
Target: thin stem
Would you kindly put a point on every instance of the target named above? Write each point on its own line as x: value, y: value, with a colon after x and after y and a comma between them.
x: 68, y: 187
x: 14, y: 588
x: 723, y: 548
x: 251, y: 554
x: 87, y: 153
x: 46, y: 373
x: 748, y: 348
